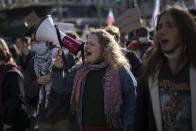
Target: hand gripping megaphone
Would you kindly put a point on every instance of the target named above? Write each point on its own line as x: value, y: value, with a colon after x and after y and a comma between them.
x: 46, y: 31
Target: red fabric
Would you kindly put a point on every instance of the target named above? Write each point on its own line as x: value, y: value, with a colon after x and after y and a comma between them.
x: 110, y: 18
x: 98, y: 128
x: 77, y: 92
x: 135, y: 45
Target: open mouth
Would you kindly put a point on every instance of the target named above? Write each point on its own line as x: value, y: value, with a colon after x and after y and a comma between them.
x: 88, y: 53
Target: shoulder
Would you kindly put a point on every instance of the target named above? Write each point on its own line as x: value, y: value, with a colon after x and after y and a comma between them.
x: 14, y: 73
x: 125, y: 71
x: 12, y: 78
x: 126, y: 76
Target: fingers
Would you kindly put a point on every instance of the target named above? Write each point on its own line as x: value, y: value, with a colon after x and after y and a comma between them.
x: 57, y: 54
x: 44, y: 80
x: 58, y: 63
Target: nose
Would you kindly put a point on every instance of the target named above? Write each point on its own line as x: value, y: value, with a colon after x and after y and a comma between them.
x: 86, y: 45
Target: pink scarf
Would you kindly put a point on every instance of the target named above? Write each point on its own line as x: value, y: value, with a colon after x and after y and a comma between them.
x: 112, y: 91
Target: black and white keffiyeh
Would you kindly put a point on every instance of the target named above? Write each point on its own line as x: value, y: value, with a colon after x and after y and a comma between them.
x: 43, y: 66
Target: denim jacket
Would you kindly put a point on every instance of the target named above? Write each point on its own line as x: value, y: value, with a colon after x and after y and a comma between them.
x: 64, y: 85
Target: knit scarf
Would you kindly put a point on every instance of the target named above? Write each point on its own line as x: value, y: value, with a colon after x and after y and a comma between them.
x: 43, y: 66
x: 112, y: 92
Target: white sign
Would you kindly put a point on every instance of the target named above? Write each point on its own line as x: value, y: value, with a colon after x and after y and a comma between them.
x: 129, y: 21
x: 64, y: 27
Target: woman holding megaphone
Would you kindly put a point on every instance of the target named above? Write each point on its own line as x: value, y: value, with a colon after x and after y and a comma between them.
x: 103, y: 90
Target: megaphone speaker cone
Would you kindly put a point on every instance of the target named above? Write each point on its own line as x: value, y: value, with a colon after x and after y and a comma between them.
x: 46, y: 31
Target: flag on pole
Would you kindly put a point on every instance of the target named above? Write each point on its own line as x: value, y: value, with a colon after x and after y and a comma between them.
x: 155, y: 13
x: 110, y: 18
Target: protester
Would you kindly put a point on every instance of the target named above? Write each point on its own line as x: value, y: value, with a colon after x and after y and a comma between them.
x: 52, y: 108
x: 26, y: 53
x: 15, y: 53
x: 142, y: 43
x: 103, y: 90
x: 166, y: 92
x: 132, y: 57
x: 12, y: 114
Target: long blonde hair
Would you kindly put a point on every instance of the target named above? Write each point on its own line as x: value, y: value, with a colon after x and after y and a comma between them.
x: 3, y: 44
x: 112, y: 53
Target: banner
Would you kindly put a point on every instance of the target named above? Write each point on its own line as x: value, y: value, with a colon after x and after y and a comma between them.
x: 129, y: 21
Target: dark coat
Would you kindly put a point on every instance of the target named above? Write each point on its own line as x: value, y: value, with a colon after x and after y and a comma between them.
x: 134, y: 61
x: 14, y: 114
x: 144, y: 117
x: 57, y: 105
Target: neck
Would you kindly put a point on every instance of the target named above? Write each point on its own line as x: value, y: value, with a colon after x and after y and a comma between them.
x: 175, y: 64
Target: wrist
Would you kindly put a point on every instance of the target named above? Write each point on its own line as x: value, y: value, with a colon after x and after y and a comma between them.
x: 56, y: 69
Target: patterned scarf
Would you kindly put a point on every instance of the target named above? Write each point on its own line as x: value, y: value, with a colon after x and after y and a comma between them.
x: 42, y: 66
x: 112, y: 92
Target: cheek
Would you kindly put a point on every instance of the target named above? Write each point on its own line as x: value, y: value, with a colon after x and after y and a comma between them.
x: 98, y: 54
x: 175, y: 40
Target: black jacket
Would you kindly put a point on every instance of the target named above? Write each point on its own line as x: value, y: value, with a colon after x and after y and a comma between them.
x: 144, y: 117
x: 15, y: 115
x: 134, y: 61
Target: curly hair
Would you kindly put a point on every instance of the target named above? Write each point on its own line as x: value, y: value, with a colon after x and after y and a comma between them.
x: 74, y: 35
x: 113, y: 30
x: 187, y: 29
x: 112, y: 53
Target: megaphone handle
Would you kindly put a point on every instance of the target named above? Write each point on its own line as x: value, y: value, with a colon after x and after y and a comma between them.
x: 63, y: 55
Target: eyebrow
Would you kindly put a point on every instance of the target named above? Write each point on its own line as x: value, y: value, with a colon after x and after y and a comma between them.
x: 168, y: 22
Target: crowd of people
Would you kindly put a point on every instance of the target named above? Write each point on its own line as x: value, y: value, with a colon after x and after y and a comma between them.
x: 115, y: 85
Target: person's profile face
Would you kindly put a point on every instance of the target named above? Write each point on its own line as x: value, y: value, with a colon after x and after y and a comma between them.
x: 168, y: 33
x: 92, y: 49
